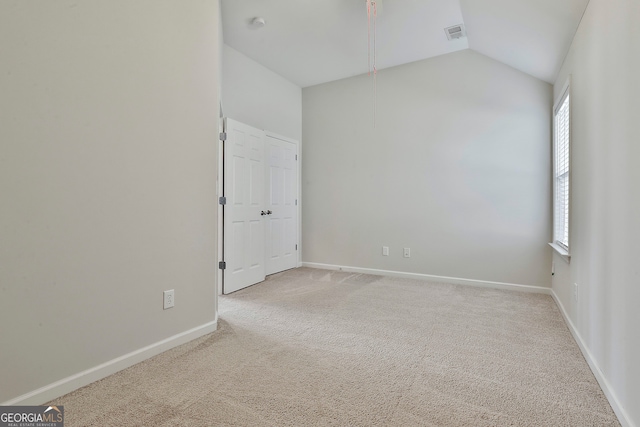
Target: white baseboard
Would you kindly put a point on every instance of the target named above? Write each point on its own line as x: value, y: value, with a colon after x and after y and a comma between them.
x: 622, y: 415
x: 81, y: 379
x: 432, y: 278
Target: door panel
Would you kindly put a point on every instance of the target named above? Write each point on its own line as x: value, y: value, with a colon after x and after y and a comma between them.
x: 282, y: 223
x: 244, y: 232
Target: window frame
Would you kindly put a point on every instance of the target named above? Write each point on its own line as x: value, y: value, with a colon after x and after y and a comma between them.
x: 559, y: 246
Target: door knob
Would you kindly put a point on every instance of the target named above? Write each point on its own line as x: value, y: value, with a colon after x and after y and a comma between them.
x: 263, y: 213
x: 269, y: 212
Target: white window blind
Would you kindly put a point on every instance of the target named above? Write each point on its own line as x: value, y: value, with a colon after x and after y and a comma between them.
x: 561, y: 174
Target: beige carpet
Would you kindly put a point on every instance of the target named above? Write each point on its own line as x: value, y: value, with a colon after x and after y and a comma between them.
x: 318, y: 348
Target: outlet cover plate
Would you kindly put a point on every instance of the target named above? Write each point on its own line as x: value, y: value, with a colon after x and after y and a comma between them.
x: 169, y: 299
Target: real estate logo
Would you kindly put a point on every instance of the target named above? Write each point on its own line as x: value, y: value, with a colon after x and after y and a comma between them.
x: 31, y: 416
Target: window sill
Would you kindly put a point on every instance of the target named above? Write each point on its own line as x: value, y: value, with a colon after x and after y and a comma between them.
x: 561, y: 251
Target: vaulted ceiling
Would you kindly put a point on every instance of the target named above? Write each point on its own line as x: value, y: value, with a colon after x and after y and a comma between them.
x: 312, y: 42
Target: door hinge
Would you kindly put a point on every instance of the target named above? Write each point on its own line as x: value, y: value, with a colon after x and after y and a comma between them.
x: 222, y: 200
x: 223, y: 136
x: 296, y: 247
x: 296, y: 157
x: 222, y: 265
x: 296, y: 202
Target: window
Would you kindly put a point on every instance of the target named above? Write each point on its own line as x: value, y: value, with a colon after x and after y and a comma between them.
x: 561, y: 171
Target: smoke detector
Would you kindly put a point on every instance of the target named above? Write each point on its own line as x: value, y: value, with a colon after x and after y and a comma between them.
x: 455, y: 32
x: 258, y: 22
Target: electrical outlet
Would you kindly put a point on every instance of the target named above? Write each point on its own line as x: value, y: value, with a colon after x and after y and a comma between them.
x: 575, y: 291
x: 385, y: 250
x: 407, y: 252
x: 169, y: 300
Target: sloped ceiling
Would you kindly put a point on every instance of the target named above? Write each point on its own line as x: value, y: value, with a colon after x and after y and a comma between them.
x: 312, y: 42
x: 532, y: 36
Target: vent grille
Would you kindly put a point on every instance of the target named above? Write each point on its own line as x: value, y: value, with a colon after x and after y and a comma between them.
x: 455, y: 32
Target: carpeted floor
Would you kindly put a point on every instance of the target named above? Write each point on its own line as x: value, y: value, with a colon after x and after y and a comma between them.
x: 318, y: 348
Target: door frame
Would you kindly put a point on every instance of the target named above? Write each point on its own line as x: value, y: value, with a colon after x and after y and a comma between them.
x: 220, y: 193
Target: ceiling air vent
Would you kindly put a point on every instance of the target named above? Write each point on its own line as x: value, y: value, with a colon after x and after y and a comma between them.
x: 455, y: 32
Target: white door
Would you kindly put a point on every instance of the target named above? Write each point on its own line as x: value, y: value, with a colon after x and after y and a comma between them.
x: 282, y: 210
x: 244, y: 188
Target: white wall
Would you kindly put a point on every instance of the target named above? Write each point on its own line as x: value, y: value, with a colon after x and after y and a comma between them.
x: 107, y: 175
x: 605, y: 201
x: 457, y: 169
x: 255, y: 95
